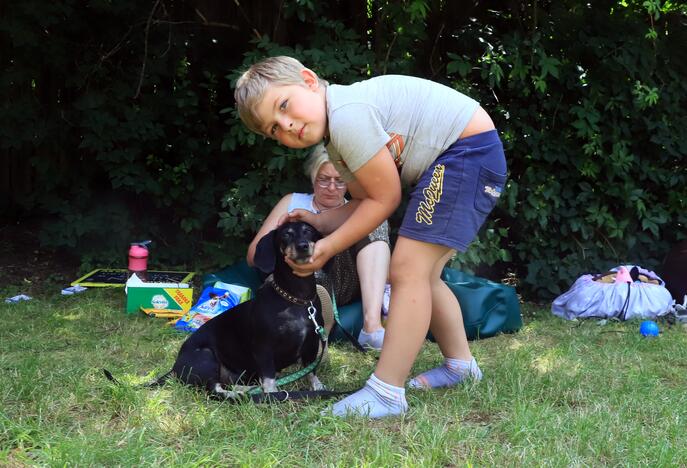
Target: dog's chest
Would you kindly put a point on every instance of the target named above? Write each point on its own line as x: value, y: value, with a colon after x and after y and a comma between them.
x: 292, y: 324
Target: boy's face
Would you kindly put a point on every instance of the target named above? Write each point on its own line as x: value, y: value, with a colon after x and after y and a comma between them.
x: 295, y: 115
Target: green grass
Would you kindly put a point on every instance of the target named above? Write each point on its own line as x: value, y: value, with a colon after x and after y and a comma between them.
x: 557, y: 393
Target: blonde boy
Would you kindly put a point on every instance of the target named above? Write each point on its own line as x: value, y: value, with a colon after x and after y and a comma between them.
x: 380, y: 133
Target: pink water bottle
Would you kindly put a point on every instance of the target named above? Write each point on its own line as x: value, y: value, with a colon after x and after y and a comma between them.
x: 138, y: 259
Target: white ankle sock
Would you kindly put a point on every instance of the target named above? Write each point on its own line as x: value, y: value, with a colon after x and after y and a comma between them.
x: 376, y: 399
x: 372, y: 340
x: 453, y: 372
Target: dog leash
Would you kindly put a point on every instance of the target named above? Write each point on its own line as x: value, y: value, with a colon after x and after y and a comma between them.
x: 346, y: 333
x: 330, y: 314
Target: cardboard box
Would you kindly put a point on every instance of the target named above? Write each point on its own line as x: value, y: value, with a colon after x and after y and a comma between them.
x: 170, y: 296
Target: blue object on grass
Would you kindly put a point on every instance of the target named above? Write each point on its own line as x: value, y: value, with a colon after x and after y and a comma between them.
x: 212, y: 302
x: 649, y: 328
x: 15, y: 299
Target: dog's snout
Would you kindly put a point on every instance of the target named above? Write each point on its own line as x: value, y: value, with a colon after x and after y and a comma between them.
x: 296, y: 241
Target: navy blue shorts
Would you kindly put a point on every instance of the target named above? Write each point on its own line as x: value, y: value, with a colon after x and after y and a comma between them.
x: 456, y: 193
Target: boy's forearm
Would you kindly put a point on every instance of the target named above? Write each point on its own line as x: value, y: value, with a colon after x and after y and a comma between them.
x: 367, y: 216
x: 330, y: 221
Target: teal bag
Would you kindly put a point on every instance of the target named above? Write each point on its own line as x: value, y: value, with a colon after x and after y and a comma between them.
x: 488, y: 308
x: 240, y: 274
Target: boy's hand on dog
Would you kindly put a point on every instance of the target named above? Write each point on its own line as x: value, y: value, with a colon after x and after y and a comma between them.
x: 322, y: 252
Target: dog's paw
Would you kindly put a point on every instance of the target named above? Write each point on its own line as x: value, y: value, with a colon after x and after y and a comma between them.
x: 269, y: 385
x: 221, y: 393
x: 315, y: 383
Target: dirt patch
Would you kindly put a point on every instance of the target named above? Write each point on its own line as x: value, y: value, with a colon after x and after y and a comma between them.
x: 481, y: 418
x: 28, y: 267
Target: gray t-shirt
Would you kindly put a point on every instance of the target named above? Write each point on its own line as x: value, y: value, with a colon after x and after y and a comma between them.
x: 416, y: 119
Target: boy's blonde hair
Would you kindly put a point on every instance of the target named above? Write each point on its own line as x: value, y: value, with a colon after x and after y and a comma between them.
x: 316, y: 160
x: 251, y: 86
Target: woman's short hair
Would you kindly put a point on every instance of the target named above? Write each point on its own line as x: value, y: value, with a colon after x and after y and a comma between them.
x: 315, y: 161
x: 252, y: 84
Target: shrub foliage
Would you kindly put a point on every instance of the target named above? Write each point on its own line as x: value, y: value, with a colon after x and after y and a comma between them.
x: 118, y: 120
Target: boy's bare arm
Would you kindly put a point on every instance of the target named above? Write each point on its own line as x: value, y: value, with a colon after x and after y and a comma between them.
x: 330, y: 220
x: 380, y: 186
x: 326, y: 222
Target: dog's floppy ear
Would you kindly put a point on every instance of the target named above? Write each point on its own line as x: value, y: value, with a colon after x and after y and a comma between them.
x: 265, y: 255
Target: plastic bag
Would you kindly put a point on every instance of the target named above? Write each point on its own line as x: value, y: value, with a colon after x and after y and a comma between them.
x: 213, y: 301
x: 623, y: 293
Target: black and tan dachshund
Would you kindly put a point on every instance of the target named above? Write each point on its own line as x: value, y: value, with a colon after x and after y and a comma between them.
x: 253, y: 341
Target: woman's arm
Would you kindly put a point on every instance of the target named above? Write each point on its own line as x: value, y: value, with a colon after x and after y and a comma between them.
x: 270, y: 223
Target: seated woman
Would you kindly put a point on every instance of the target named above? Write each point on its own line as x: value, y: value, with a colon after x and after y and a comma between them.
x: 358, y: 272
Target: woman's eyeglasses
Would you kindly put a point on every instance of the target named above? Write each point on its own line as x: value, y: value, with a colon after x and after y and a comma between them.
x: 325, y: 182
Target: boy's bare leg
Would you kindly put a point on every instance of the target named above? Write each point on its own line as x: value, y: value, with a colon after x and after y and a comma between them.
x: 412, y: 264
x: 410, y: 311
x: 447, y: 320
x: 449, y: 331
x: 373, y: 269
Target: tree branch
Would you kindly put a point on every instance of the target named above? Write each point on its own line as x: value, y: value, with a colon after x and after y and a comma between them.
x: 145, y: 49
x: 434, y: 49
x: 245, y: 16
x: 388, y: 52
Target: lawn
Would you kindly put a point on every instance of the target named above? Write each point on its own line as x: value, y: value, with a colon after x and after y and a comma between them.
x: 557, y: 394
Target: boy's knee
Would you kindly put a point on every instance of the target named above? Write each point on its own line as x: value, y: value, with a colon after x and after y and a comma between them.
x: 410, y: 264
x: 406, y: 271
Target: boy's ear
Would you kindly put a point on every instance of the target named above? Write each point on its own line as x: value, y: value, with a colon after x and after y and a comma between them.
x: 310, y: 78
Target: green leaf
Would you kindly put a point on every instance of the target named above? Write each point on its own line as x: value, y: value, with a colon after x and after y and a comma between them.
x: 549, y: 66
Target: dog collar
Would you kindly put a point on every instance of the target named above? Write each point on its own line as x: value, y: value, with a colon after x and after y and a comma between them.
x: 287, y: 296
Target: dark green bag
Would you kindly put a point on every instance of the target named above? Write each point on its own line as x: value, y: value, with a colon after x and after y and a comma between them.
x: 488, y: 308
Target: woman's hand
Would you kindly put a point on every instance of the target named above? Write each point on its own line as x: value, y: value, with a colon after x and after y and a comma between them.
x: 322, y: 252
